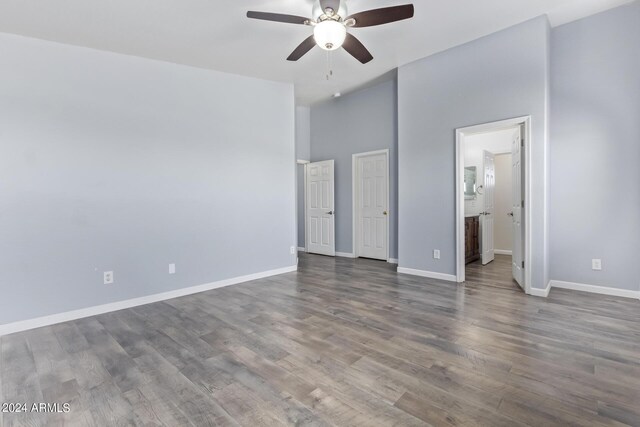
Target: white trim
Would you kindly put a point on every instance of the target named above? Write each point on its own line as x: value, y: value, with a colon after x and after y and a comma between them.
x: 537, y: 292
x: 626, y: 293
x: 302, y: 162
x: 304, y: 194
x: 39, y: 322
x: 500, y: 152
x: 392, y: 260
x: 502, y: 252
x: 345, y: 255
x: 355, y: 195
x: 459, y: 218
x: 488, y: 127
x: 429, y: 274
x: 301, y: 249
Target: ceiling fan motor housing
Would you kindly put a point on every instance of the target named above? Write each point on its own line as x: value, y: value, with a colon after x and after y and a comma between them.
x: 318, y: 11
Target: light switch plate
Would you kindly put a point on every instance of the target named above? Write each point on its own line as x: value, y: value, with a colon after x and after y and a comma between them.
x: 172, y: 269
x: 596, y: 264
x: 436, y: 254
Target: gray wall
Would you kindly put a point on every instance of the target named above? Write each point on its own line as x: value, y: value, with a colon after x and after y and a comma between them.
x: 111, y: 162
x: 362, y: 121
x: 595, y: 149
x: 303, y: 152
x: 500, y: 76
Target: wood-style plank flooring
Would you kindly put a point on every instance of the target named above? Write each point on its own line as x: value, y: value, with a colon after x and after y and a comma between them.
x: 497, y: 273
x: 341, y: 342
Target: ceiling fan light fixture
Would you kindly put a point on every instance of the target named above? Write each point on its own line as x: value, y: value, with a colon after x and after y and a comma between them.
x: 329, y: 34
x: 330, y: 21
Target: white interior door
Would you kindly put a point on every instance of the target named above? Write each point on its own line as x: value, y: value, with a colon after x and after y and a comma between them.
x: 489, y: 168
x: 517, y: 259
x: 373, y: 218
x: 320, y: 208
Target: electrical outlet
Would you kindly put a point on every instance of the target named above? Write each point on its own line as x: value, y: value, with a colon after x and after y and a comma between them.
x: 108, y: 277
x: 292, y: 250
x: 596, y: 264
x: 436, y: 254
x: 172, y: 269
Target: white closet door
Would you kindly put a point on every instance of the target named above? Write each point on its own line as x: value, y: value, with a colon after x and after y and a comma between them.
x: 373, y: 197
x: 320, y: 208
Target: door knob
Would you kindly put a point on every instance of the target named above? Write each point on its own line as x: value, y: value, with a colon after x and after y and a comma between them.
x: 510, y: 214
x: 384, y: 213
x: 330, y: 213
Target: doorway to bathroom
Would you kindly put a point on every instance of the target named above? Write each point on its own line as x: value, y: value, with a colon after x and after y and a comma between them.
x: 491, y: 208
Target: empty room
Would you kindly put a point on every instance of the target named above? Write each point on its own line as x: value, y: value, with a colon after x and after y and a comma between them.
x: 319, y: 213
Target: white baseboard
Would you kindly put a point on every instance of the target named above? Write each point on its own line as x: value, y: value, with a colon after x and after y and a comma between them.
x: 301, y: 249
x: 429, y: 274
x: 626, y: 293
x: 537, y: 292
x: 24, y: 325
x: 392, y: 260
x: 502, y: 252
x: 345, y: 254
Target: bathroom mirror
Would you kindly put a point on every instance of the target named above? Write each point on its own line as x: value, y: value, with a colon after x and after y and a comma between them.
x: 470, y: 183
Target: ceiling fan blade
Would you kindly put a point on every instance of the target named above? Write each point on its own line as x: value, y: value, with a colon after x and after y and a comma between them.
x: 333, y: 4
x: 385, y: 15
x: 302, y: 49
x: 357, y: 49
x: 278, y: 17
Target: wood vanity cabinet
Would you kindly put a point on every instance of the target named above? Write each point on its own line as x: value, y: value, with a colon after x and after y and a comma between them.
x: 471, y: 238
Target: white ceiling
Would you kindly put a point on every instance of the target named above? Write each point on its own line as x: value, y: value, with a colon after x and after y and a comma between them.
x: 497, y: 141
x: 216, y: 34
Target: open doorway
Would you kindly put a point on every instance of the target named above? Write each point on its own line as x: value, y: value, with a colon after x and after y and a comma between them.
x: 492, y: 208
x: 301, y: 212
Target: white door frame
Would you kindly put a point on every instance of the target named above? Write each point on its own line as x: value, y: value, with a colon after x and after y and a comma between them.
x: 460, y: 146
x: 304, y: 164
x: 355, y: 196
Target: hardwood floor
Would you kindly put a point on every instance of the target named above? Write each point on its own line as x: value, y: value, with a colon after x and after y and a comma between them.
x: 341, y: 342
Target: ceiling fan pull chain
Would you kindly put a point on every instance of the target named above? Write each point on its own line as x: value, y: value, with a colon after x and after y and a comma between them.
x: 329, y: 68
x: 330, y: 65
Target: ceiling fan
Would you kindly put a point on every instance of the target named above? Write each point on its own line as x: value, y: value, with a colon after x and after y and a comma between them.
x: 330, y: 23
